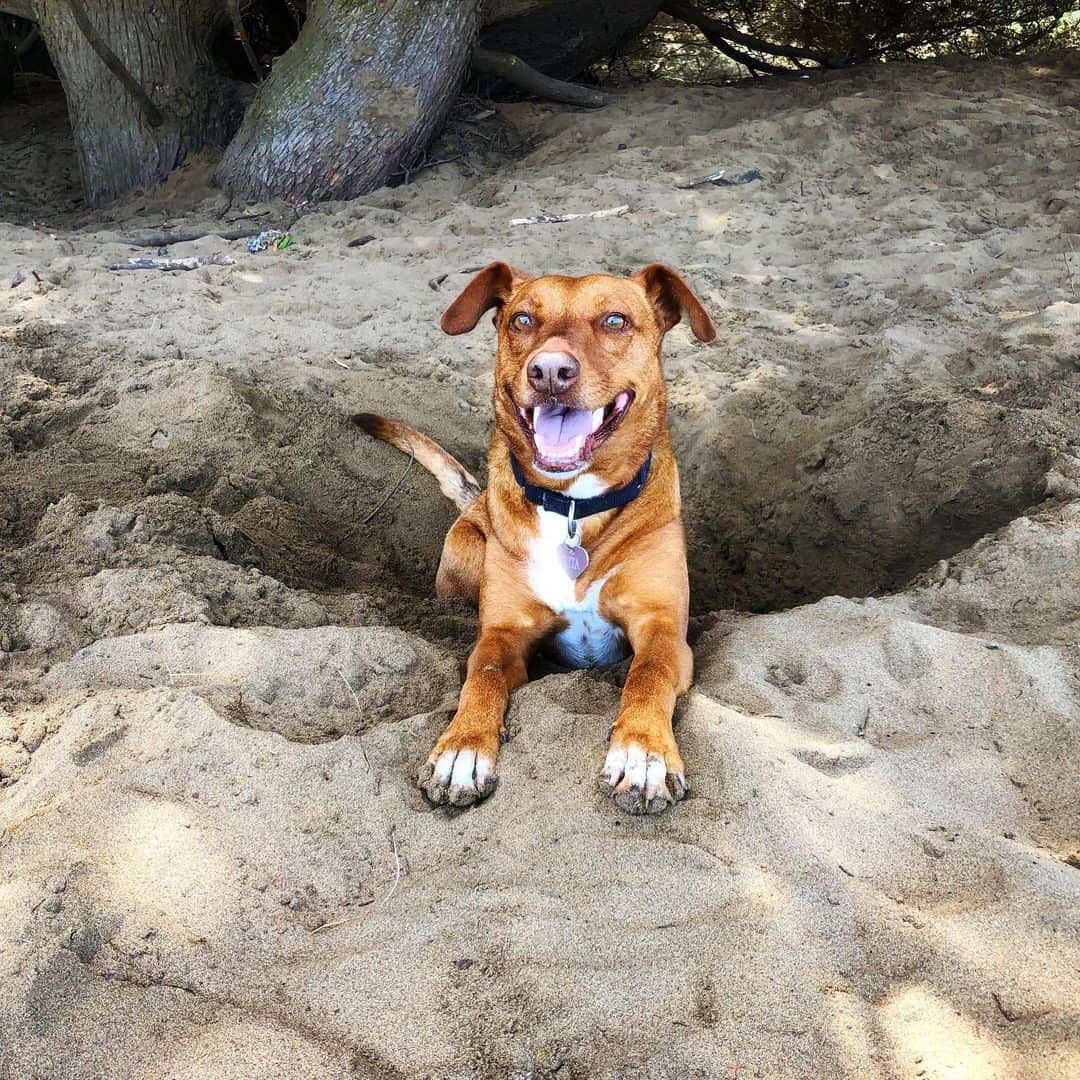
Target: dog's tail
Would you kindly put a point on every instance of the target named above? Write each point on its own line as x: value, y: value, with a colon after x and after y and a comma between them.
x: 455, y: 481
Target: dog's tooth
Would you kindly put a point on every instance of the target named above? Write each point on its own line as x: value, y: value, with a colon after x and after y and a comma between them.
x: 597, y: 417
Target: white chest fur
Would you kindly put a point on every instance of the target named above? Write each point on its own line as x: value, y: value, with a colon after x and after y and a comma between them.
x: 589, y: 640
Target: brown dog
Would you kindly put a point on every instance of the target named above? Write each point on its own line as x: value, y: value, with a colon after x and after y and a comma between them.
x: 577, y: 542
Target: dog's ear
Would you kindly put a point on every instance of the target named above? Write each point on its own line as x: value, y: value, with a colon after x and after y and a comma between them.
x: 492, y: 287
x: 672, y: 298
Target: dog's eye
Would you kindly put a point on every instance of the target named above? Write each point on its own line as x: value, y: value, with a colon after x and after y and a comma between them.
x: 615, y: 321
x: 521, y: 321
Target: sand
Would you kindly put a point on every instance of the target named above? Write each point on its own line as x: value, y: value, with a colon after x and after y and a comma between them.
x: 218, y: 683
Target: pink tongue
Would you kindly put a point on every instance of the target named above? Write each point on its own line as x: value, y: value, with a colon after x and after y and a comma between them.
x: 560, y: 432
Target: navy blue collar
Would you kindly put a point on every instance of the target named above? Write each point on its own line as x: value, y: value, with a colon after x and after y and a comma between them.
x: 558, y: 503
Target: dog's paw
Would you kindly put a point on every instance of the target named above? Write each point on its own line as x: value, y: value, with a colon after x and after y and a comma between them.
x: 458, y: 777
x: 643, y: 782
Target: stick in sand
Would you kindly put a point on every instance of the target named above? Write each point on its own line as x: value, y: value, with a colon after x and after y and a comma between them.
x: 555, y: 219
x: 192, y: 263
x: 697, y: 181
x: 184, y: 236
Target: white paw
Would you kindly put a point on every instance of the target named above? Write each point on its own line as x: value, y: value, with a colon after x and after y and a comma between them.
x: 640, y: 782
x: 458, y: 777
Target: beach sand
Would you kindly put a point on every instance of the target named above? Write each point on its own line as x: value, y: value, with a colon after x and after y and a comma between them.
x: 218, y: 683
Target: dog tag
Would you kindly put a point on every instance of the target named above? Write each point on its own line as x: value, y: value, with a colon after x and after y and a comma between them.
x: 573, y: 559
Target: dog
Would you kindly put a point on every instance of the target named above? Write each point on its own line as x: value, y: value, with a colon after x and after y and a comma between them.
x: 577, y: 542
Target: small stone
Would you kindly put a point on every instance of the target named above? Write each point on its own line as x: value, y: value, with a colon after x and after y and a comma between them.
x: 57, y: 885
x: 53, y: 905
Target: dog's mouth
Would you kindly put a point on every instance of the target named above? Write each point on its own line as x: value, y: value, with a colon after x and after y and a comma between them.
x: 564, y: 438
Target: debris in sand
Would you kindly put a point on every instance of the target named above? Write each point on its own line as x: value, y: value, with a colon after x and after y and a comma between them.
x: 743, y: 178
x: 697, y: 181
x: 269, y: 238
x: 17, y: 279
x: 394, y: 490
x: 555, y: 219
x: 861, y: 726
x: 360, y: 241
x: 356, y: 700
x: 323, y: 927
x: 717, y: 179
x: 167, y: 237
x: 193, y: 262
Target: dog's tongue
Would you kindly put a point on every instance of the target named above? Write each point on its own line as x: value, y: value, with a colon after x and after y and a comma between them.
x: 560, y: 432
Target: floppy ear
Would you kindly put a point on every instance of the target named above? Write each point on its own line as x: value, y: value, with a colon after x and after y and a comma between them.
x: 492, y: 287
x: 672, y: 298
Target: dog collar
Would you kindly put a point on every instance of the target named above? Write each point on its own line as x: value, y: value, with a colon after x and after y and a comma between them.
x: 576, y: 509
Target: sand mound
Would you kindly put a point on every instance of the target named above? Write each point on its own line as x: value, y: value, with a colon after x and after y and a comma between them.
x: 305, y: 685
x: 220, y: 677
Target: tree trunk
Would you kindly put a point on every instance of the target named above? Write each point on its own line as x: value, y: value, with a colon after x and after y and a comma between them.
x: 124, y: 140
x: 360, y: 92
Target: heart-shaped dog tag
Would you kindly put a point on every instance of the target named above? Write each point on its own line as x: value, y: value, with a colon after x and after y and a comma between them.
x: 573, y: 559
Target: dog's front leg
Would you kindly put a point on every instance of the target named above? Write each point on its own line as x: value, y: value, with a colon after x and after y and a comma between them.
x: 461, y: 768
x: 643, y: 768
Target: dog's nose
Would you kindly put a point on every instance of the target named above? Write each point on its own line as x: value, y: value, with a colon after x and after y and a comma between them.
x: 553, y: 372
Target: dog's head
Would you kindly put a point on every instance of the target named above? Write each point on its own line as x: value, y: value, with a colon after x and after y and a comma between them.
x: 578, y: 381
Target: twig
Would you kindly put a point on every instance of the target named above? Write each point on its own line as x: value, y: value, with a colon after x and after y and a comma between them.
x: 1009, y: 1015
x: 397, y: 864
x: 356, y: 700
x: 1068, y: 270
x: 555, y: 219
x: 860, y: 728
x: 514, y: 70
x: 367, y: 903
x: 394, y: 490
x: 166, y: 237
x: 699, y: 180
x: 29, y: 41
x: 341, y: 922
x: 384, y: 500
x: 115, y: 65
x: 192, y: 263
x: 720, y: 34
x: 242, y: 37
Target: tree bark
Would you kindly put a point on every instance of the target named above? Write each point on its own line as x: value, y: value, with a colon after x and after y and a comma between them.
x: 22, y: 8
x: 360, y: 92
x: 164, y: 47
x: 514, y: 70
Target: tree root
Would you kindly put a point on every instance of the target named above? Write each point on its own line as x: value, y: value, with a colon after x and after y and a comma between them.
x: 514, y: 70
